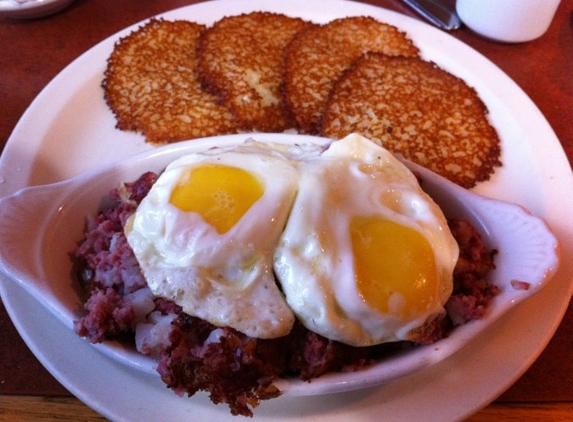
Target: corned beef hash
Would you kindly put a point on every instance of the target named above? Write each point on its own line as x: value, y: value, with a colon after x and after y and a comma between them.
x: 241, y: 265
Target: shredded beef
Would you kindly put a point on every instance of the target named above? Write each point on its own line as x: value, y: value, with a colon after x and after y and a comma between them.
x: 228, y: 367
x: 108, y: 316
x: 233, y: 368
x: 239, y: 370
x: 520, y: 285
x: 472, y: 293
x: 108, y: 267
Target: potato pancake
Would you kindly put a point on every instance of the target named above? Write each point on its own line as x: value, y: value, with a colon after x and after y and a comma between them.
x: 151, y: 85
x: 241, y: 60
x: 317, y: 56
x: 412, y: 107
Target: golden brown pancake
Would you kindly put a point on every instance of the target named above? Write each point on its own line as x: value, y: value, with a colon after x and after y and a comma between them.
x: 241, y: 60
x: 316, y: 57
x: 414, y: 108
x: 151, y: 85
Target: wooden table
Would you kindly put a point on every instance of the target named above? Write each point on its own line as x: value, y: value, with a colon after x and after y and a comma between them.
x: 32, y: 52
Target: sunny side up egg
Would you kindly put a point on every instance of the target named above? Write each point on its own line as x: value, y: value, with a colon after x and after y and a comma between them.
x: 205, y: 235
x: 362, y: 255
x: 366, y: 257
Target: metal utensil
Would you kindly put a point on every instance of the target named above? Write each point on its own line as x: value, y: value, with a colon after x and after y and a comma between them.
x: 436, y: 12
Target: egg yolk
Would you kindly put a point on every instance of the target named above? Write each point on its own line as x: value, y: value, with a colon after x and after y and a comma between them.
x: 220, y: 194
x: 394, y: 265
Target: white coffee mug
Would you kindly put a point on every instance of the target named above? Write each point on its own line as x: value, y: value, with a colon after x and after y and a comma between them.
x: 510, y: 21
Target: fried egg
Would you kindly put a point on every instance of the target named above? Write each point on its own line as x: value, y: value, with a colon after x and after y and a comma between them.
x: 205, y: 235
x: 366, y: 256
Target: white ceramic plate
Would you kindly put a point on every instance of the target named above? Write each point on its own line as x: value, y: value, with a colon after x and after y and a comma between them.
x: 27, y: 9
x: 69, y: 130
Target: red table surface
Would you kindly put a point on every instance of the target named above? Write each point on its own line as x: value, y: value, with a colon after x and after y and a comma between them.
x: 32, y: 52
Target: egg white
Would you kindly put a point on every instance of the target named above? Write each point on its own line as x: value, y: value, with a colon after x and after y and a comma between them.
x: 226, y: 279
x: 314, y: 261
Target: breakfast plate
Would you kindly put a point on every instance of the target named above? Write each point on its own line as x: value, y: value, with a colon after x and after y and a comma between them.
x: 68, y: 130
